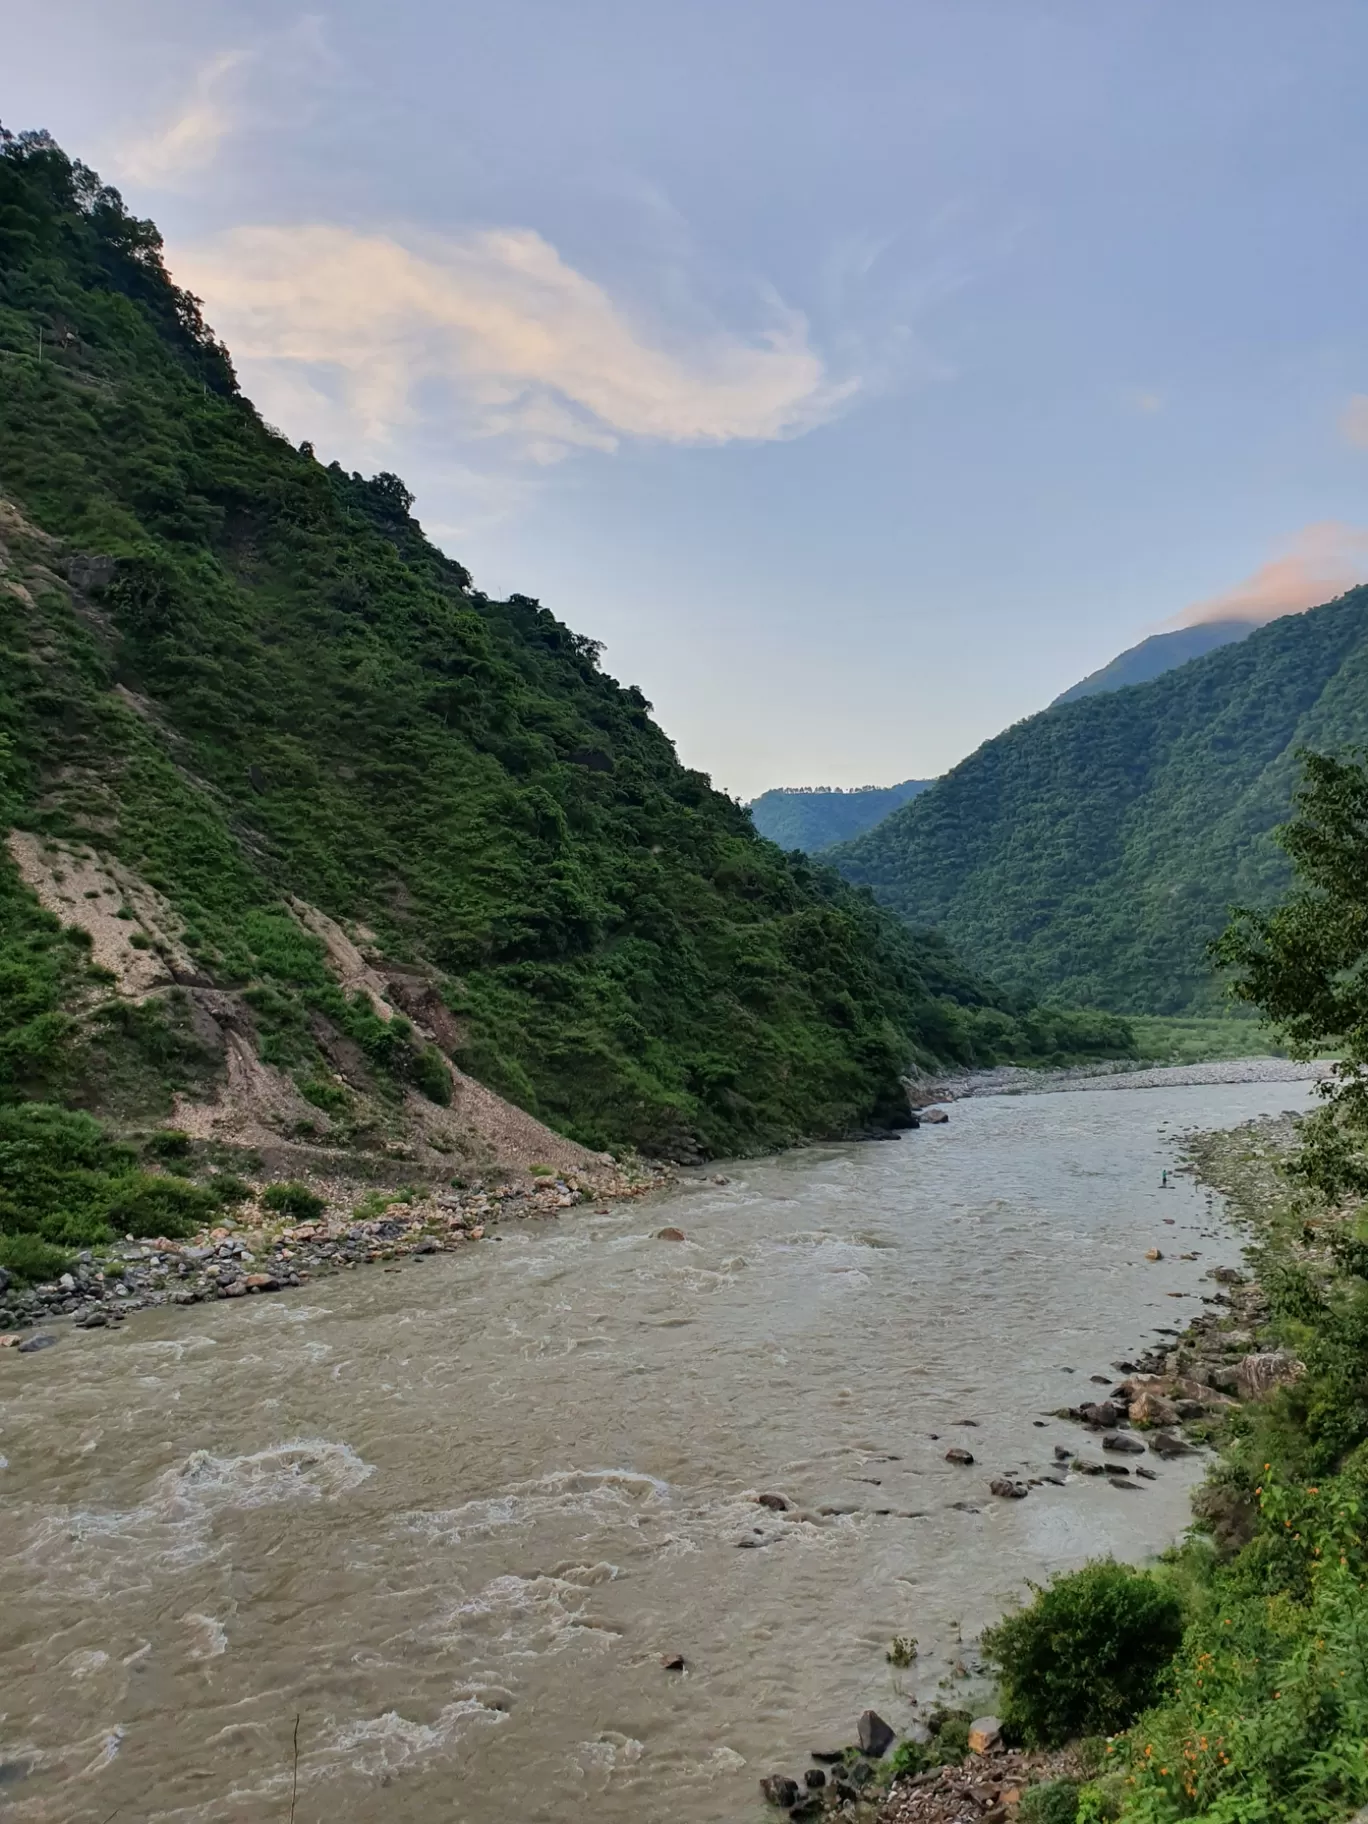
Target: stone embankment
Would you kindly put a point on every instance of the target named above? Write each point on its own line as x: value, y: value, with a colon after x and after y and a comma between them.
x: 255, y: 1251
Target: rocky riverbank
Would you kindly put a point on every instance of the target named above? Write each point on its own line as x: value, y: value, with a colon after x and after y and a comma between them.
x: 255, y: 1250
x: 1019, y: 1080
x: 1171, y: 1401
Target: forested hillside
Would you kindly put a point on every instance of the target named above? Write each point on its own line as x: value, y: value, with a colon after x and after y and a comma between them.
x: 1092, y: 850
x: 813, y: 818
x: 1156, y: 655
x: 248, y: 709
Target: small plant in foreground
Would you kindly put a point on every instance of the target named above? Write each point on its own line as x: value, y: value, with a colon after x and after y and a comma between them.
x: 294, y: 1200
x: 1088, y: 1655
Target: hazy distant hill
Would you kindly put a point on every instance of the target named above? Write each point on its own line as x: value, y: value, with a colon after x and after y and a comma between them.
x: 814, y: 817
x: 1092, y: 850
x: 1161, y: 652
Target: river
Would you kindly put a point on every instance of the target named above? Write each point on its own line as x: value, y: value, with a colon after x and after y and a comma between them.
x: 452, y: 1516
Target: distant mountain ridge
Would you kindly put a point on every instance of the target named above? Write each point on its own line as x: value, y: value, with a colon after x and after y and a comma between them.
x: 814, y: 817
x: 1161, y: 652
x: 1091, y: 850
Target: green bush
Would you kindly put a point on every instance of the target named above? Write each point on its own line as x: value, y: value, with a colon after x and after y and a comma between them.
x: 154, y: 1203
x: 1056, y: 1802
x: 227, y: 1190
x: 170, y: 1143
x: 30, y: 1259
x: 1087, y: 1656
x: 432, y: 1075
x: 294, y: 1200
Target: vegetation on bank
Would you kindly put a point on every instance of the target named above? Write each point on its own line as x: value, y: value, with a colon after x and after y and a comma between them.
x: 1201, y: 1038
x: 1092, y: 851
x: 1256, y: 1711
x: 248, y: 678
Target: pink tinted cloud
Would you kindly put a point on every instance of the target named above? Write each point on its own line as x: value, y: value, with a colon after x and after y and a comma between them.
x: 1314, y: 566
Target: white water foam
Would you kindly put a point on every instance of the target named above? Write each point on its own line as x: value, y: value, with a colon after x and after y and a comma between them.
x: 92, y: 1552
x: 605, y: 1495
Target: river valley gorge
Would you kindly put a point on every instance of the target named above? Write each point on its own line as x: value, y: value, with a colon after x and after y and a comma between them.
x: 456, y: 1516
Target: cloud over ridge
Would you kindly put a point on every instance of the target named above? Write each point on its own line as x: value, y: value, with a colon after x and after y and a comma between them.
x: 496, y: 333
x: 1319, y: 562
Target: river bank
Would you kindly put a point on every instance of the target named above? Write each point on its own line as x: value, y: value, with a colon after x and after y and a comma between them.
x: 1017, y: 1080
x: 1174, y: 1400
x: 257, y: 1250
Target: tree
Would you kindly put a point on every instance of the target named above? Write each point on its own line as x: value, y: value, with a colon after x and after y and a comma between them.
x: 1305, y: 964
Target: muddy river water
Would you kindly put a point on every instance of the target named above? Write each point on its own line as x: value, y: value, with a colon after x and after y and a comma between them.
x: 452, y: 1516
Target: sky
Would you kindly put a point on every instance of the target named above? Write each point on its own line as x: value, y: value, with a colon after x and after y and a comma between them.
x: 862, y: 375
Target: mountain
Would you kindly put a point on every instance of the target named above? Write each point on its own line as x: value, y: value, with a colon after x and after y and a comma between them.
x: 1092, y: 850
x: 324, y: 856
x: 813, y: 817
x: 1161, y: 652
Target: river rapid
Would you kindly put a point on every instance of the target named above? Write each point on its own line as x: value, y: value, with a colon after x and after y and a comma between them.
x: 452, y: 1516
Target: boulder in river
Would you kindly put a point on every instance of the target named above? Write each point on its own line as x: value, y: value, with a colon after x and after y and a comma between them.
x: 1154, y: 1253
x: 669, y: 1235
x: 779, y: 1789
x: 1009, y: 1488
x: 875, y: 1735
x: 814, y: 1779
x: 1123, y: 1442
x: 1164, y: 1444
x: 31, y: 1344
x: 959, y: 1455
x: 933, y: 1117
x: 1102, y: 1415
x: 780, y: 1503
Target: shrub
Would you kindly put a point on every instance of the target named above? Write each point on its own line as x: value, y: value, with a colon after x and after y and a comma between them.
x: 1088, y: 1655
x: 154, y: 1203
x: 170, y: 1143
x: 31, y: 1259
x: 1055, y: 1802
x: 227, y: 1190
x: 432, y: 1075
x: 294, y: 1200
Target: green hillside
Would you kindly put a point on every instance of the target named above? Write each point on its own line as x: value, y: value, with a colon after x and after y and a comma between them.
x: 243, y: 696
x: 813, y: 818
x: 1161, y: 652
x: 1092, y: 850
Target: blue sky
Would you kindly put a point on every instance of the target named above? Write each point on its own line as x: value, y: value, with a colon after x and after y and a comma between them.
x: 863, y: 375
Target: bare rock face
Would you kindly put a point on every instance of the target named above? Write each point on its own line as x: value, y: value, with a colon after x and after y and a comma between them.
x: 1153, y: 1409
x: 1257, y: 1375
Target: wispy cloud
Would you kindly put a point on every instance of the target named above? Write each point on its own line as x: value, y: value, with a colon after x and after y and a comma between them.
x: 1315, y: 565
x: 253, y: 84
x: 491, y: 335
x: 184, y: 144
